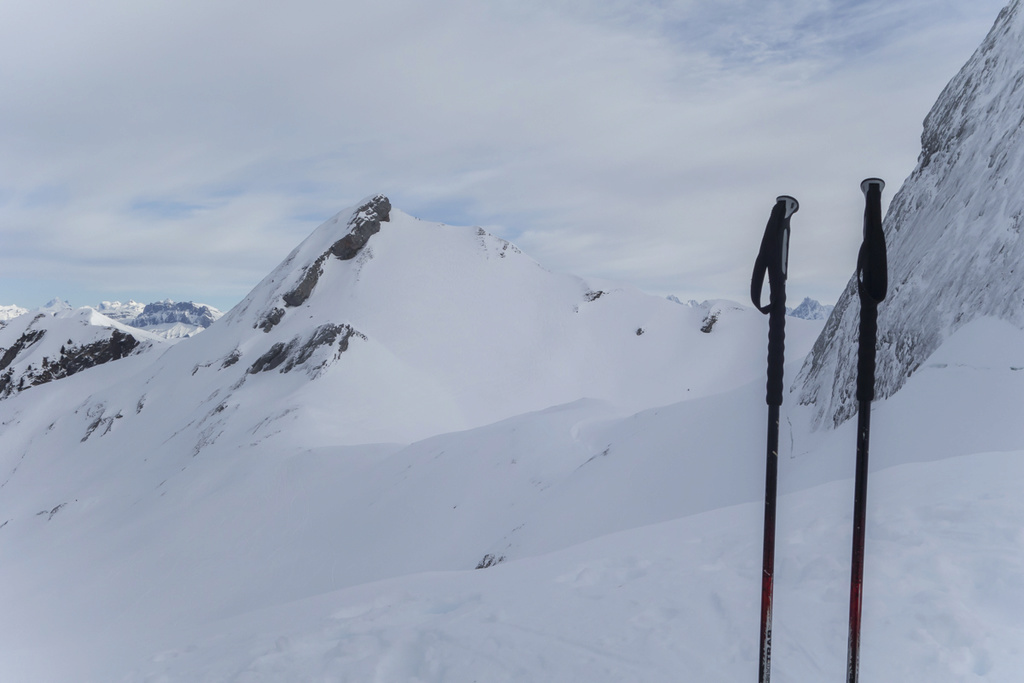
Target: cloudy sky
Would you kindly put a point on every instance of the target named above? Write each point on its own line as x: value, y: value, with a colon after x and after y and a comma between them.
x: 180, y: 149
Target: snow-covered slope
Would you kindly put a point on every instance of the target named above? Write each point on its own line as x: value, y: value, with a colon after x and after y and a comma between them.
x: 349, y: 563
x: 8, y: 312
x: 128, y: 554
x: 426, y: 329
x: 954, y: 231
x: 676, y: 601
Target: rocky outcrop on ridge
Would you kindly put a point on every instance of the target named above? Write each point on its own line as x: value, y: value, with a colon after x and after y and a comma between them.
x: 71, y: 359
x: 365, y: 222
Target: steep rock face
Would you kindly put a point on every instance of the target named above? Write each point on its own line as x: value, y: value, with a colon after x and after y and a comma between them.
x: 953, y: 232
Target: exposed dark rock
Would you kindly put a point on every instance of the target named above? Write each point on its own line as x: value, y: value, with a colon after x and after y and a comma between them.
x: 270, y: 319
x: 119, y: 345
x: 71, y: 361
x: 365, y: 222
x: 232, y: 358
x: 324, y: 335
x: 271, y: 359
x: 107, y: 422
x: 490, y: 560
x: 300, y: 349
x: 593, y: 296
x: 23, y: 342
x: 310, y: 277
x: 709, y: 323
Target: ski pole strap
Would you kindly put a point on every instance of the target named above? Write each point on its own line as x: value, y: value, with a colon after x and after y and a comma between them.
x: 872, y: 268
x: 772, y: 262
x: 774, y: 252
x: 872, y: 283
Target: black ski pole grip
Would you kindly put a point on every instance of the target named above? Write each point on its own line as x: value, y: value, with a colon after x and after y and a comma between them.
x: 772, y: 260
x: 872, y: 283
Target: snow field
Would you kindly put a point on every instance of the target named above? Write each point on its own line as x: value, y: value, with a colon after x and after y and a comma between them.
x: 679, y: 600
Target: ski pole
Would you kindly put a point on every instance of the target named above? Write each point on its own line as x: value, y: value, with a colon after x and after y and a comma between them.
x: 772, y: 260
x: 872, y: 282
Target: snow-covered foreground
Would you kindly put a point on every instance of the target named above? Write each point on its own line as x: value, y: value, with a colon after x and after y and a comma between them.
x: 632, y: 548
x: 676, y: 601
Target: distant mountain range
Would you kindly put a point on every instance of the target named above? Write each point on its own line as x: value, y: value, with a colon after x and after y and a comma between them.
x: 168, y: 319
x: 809, y: 309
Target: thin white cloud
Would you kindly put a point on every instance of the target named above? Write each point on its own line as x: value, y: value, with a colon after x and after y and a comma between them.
x: 640, y: 140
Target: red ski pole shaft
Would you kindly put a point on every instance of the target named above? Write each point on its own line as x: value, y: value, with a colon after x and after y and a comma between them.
x: 772, y: 261
x: 872, y: 281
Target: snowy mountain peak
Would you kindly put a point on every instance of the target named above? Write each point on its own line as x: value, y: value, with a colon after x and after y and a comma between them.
x: 364, y: 222
x: 293, y: 282
x: 810, y: 309
x: 55, y: 305
x: 954, y: 232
